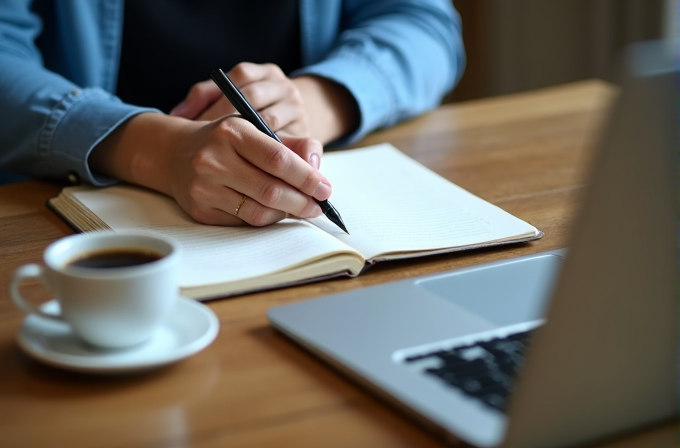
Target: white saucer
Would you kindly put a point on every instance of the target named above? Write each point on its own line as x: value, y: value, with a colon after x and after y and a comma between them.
x: 191, y: 327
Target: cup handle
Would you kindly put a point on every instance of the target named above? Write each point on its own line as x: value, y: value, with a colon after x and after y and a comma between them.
x: 29, y: 271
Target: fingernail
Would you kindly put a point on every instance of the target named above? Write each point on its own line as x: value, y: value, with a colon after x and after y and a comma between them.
x: 315, y: 160
x: 323, y: 191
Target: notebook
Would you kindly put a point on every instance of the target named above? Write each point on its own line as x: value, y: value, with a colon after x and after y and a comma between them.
x: 548, y: 350
x: 411, y: 212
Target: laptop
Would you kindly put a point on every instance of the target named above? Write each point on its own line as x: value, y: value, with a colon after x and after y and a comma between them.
x: 547, y: 350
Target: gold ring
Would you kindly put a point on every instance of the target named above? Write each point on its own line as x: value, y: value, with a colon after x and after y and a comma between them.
x: 240, y: 205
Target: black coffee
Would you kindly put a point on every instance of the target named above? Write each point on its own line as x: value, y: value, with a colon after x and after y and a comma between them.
x: 114, y: 258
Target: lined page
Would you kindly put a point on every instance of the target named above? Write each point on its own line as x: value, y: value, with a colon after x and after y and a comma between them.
x: 211, y: 254
x: 392, y: 204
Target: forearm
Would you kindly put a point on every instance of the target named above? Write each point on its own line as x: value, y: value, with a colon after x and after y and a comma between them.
x: 140, y: 151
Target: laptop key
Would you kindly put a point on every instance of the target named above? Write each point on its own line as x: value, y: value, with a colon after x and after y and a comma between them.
x: 484, y: 370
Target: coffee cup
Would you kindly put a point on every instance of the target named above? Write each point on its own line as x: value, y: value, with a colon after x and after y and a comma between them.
x: 114, y: 289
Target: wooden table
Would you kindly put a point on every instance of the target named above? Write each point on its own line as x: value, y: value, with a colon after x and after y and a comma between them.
x: 527, y: 153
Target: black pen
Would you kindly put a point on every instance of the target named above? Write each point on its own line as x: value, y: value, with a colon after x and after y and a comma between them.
x: 237, y: 99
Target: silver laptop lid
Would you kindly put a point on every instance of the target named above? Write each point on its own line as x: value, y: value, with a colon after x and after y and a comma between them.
x: 606, y: 360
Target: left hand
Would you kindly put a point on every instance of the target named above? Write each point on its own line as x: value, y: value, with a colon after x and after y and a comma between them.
x: 265, y: 86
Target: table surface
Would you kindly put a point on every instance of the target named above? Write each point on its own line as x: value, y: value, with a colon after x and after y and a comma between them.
x: 528, y: 153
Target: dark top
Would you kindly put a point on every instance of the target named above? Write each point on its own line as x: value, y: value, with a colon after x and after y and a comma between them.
x: 169, y: 45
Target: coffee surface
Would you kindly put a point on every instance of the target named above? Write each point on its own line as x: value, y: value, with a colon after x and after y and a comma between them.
x: 114, y: 258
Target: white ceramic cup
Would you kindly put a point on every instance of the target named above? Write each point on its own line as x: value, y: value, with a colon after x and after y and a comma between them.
x: 111, y: 307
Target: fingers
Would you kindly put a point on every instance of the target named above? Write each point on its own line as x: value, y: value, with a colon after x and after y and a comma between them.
x: 281, y: 163
x: 274, y: 95
x: 201, y: 96
x: 271, y: 191
x: 278, y: 105
x: 224, y: 160
x: 247, y: 72
x: 252, y: 212
x: 205, y: 101
x: 231, y: 208
x: 287, y: 118
x: 268, y: 90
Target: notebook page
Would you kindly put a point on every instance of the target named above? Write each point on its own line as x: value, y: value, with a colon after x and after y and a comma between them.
x: 392, y: 204
x: 211, y: 254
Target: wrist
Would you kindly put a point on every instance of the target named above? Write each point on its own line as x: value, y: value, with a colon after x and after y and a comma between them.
x: 332, y: 110
x: 140, y: 150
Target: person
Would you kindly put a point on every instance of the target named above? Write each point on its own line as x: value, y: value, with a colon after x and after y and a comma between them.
x: 107, y: 91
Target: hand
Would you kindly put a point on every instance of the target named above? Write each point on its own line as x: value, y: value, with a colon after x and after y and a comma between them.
x: 267, y: 89
x: 234, y: 166
x: 208, y: 167
x: 332, y: 110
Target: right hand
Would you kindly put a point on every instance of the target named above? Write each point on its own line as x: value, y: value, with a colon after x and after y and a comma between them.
x: 207, y: 167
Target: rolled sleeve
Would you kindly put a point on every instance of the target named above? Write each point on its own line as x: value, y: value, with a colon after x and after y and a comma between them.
x: 397, y: 58
x: 55, y: 110
x: 52, y: 137
x: 82, y: 119
x: 374, y: 99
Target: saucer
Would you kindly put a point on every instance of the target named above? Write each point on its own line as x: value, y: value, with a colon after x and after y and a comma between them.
x: 191, y: 327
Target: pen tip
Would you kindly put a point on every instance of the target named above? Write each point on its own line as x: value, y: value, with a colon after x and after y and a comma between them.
x: 338, y: 222
x: 333, y: 215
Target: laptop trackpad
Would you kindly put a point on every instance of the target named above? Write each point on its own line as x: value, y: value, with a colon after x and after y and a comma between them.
x: 504, y: 293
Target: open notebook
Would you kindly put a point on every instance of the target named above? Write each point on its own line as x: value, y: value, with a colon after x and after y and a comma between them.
x: 393, y: 207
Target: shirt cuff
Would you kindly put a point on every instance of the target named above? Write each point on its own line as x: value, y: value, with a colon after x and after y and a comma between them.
x: 80, y: 121
x: 368, y: 87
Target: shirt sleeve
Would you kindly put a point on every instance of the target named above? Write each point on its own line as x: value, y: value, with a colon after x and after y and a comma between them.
x: 49, y: 124
x: 398, y: 58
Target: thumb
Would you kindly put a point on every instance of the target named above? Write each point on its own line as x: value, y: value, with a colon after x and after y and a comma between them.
x: 200, y: 97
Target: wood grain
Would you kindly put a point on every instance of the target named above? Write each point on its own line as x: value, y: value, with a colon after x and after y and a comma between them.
x: 528, y: 153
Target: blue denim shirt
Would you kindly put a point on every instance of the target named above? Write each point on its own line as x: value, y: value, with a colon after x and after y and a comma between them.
x: 397, y: 57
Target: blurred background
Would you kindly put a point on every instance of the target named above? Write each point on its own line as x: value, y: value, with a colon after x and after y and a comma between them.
x: 526, y: 44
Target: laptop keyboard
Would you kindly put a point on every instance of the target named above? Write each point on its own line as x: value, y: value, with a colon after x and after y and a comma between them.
x: 485, y: 370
